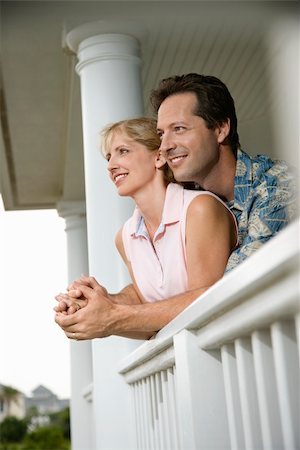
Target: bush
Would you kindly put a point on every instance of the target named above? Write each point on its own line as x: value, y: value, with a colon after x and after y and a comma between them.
x: 61, y: 420
x: 45, y: 438
x: 12, y: 429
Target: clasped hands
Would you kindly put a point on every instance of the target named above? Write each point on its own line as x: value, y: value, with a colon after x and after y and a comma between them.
x: 84, y: 312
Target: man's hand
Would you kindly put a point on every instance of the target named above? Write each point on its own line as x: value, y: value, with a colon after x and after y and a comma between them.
x: 92, y: 320
x: 69, y: 303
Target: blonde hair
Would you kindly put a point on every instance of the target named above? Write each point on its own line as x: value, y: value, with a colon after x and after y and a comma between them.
x: 142, y: 130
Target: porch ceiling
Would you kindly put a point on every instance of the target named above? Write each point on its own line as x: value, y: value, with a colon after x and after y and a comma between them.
x: 41, y: 138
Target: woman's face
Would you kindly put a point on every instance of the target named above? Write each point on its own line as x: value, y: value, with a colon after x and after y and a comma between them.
x: 131, y: 165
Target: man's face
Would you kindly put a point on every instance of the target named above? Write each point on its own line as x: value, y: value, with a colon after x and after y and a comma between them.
x: 190, y: 148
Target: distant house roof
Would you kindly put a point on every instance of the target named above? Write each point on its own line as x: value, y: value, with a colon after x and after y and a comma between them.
x: 42, y: 392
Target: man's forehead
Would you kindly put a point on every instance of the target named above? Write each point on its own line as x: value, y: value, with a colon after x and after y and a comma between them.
x: 176, y: 108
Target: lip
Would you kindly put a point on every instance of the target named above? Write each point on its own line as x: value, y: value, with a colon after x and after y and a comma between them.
x: 176, y: 160
x: 119, y: 177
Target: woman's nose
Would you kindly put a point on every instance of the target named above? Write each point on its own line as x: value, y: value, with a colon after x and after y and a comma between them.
x: 112, y: 164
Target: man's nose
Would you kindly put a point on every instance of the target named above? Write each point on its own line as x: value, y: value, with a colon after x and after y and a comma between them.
x: 166, y: 143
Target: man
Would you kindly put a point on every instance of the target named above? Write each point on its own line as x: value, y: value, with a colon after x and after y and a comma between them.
x: 260, y: 192
x: 197, y: 124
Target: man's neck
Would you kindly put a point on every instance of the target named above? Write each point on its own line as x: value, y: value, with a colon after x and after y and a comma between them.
x: 220, y: 180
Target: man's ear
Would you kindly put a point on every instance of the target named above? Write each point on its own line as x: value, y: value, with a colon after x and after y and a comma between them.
x: 223, y: 131
x: 160, y: 161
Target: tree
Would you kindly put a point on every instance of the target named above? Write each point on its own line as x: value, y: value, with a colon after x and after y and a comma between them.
x: 12, y: 429
x: 9, y: 395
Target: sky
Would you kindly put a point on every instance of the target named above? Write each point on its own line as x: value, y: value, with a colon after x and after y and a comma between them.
x: 33, y: 269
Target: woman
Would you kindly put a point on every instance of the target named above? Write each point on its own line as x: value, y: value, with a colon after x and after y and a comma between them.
x: 177, y: 240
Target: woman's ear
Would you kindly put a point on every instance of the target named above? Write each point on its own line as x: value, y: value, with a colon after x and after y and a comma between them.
x: 160, y: 161
x: 223, y: 131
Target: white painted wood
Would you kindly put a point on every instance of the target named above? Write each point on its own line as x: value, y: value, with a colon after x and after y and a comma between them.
x: 160, y: 422
x: 141, y: 416
x: 248, y: 394
x: 200, y: 395
x: 288, y: 381
x: 277, y: 299
x: 150, y: 412
x: 137, y: 425
x: 297, y: 325
x: 167, y: 412
x: 233, y: 404
x: 266, y: 390
x: 248, y: 367
x: 109, y: 70
x: 144, y: 413
x: 159, y: 361
x: 255, y: 281
x: 173, y: 409
x: 155, y: 412
x: 81, y: 407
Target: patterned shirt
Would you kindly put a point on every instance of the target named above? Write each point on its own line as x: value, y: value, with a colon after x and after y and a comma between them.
x: 264, y: 202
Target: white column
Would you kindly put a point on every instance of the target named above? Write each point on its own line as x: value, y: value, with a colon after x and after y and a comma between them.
x: 109, y: 69
x: 81, y: 352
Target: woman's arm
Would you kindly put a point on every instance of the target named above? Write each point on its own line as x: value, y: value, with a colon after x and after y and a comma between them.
x: 210, y: 238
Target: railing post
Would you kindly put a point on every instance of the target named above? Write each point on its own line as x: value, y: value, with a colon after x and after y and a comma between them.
x: 200, y: 394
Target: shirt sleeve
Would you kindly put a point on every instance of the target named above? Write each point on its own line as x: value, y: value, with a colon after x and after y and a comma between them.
x: 268, y: 215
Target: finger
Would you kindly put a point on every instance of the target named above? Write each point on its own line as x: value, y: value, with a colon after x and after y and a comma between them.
x: 65, y: 321
x: 62, y: 306
x: 88, y: 281
x: 72, y: 285
x: 66, y: 299
x: 75, y: 293
x: 73, y: 335
x: 87, y: 292
x: 61, y: 297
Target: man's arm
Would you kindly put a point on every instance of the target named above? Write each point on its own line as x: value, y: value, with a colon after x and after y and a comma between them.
x: 102, y: 317
x: 126, y: 314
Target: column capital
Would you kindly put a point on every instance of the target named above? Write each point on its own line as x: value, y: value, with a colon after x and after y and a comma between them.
x: 67, y: 209
x: 88, y: 30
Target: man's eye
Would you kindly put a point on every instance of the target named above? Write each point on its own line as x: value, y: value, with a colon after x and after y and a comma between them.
x: 179, y: 128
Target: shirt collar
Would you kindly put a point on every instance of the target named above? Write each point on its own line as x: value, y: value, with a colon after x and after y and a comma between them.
x: 243, y: 179
x: 171, y: 211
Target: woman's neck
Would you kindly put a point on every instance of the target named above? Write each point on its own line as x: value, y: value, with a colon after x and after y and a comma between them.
x: 150, y: 202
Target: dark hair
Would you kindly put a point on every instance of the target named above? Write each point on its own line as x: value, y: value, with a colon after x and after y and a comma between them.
x: 214, y: 102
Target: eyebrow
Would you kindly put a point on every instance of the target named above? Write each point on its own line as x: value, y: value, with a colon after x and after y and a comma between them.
x: 177, y: 122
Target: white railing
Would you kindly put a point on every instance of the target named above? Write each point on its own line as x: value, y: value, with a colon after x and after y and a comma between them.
x: 225, y: 373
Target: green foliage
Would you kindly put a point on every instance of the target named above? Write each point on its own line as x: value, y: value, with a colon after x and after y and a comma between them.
x: 61, y: 420
x: 14, y: 434
x: 45, y: 438
x: 11, y: 446
x: 32, y: 411
x: 12, y: 429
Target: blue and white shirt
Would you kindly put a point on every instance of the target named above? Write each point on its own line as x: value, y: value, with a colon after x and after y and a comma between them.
x: 265, y: 201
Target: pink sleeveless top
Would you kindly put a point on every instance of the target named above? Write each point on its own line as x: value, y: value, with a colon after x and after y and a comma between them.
x: 160, y: 269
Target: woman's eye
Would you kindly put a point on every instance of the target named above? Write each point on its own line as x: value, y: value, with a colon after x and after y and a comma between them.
x: 123, y: 151
x: 107, y: 157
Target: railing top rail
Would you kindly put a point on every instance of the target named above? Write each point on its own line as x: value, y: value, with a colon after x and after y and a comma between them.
x: 276, y: 259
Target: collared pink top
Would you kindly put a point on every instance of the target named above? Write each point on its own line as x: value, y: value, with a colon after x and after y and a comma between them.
x: 160, y: 269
